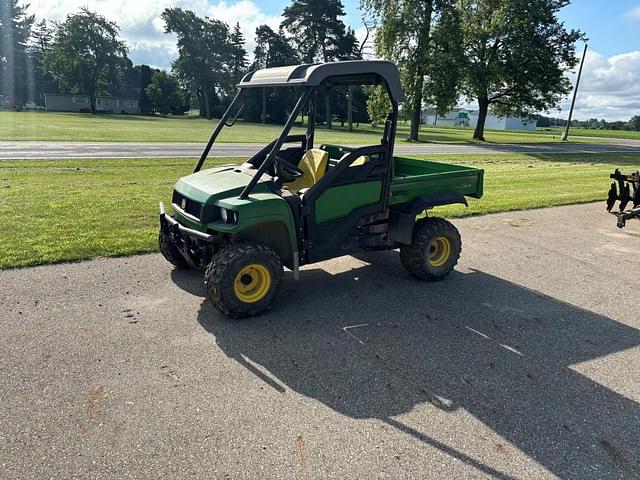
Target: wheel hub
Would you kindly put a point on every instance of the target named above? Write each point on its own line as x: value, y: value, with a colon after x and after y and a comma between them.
x: 252, y: 283
x: 439, y: 251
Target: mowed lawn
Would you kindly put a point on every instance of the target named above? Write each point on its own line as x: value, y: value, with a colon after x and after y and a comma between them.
x: 80, y: 127
x: 588, y: 132
x: 63, y: 210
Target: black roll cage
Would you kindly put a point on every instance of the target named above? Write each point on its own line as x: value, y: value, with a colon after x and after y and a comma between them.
x: 308, y: 96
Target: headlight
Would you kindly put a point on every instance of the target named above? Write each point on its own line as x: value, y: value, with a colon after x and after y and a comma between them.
x: 228, y: 216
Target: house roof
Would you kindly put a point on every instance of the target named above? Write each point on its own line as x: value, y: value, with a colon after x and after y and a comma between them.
x: 353, y: 71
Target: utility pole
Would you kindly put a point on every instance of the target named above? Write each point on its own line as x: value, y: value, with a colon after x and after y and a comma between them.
x: 565, y: 135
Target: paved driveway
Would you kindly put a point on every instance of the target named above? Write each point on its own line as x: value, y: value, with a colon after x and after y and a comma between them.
x: 522, y: 364
x: 52, y: 150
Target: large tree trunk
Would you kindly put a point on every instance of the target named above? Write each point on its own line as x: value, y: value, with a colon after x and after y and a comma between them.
x: 350, y: 108
x: 201, y: 107
x: 483, y: 103
x: 207, y: 107
x: 327, y: 110
x: 92, y: 102
x: 418, y: 87
x: 416, y: 108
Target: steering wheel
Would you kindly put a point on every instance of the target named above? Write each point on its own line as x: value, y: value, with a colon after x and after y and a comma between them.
x: 285, y: 171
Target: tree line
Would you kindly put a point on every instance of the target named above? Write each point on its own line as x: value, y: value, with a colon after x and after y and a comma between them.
x: 85, y: 55
x: 592, y: 124
x: 510, y: 56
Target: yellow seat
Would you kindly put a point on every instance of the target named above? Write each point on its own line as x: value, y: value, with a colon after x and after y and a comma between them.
x: 358, y: 162
x: 313, y: 165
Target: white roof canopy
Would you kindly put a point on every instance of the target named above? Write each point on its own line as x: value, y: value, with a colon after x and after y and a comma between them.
x: 354, y: 71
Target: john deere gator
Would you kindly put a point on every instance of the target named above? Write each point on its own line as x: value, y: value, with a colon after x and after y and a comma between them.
x: 295, y: 203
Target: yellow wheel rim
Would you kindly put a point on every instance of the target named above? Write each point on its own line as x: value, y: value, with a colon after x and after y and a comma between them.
x: 439, y: 251
x: 252, y: 283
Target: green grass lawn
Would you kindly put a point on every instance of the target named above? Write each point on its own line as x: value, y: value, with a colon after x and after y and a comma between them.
x: 63, y: 210
x: 80, y: 127
x: 588, y: 132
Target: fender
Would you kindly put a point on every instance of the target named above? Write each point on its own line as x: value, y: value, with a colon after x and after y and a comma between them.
x: 402, y: 220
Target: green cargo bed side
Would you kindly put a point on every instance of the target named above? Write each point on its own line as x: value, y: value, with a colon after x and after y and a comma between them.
x: 413, y: 178
x: 417, y: 178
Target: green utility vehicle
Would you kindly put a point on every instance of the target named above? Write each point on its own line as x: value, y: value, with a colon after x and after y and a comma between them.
x: 294, y: 203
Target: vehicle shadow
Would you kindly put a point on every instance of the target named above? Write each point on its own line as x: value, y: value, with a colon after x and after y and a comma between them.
x: 373, y: 343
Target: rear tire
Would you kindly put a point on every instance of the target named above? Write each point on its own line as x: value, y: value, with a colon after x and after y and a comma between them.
x: 434, y: 250
x: 243, y: 279
x: 170, y: 251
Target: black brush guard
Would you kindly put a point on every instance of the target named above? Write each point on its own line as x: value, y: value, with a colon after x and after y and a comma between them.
x: 626, y: 189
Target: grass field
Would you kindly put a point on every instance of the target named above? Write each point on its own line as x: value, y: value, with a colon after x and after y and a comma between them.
x: 41, y: 126
x: 588, y: 132
x: 63, y: 210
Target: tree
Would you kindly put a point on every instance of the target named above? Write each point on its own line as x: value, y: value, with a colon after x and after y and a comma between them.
x: 41, y: 40
x: 15, y: 31
x: 406, y: 35
x: 272, y: 50
x: 41, y: 37
x: 318, y: 32
x: 378, y: 104
x: 145, y: 74
x: 635, y: 123
x: 238, y: 62
x: 442, y: 84
x: 348, y: 48
x: 204, y: 54
x: 165, y: 94
x: 315, y: 27
x: 86, y: 55
x: 516, y: 55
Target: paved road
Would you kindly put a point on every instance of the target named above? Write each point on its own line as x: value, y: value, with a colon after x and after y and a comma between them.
x: 522, y: 364
x: 49, y: 150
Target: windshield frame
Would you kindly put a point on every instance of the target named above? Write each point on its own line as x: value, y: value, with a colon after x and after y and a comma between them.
x: 221, y: 124
x: 308, y: 93
x: 302, y: 101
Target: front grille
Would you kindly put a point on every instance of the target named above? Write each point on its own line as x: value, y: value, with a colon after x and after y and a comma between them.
x: 191, y: 207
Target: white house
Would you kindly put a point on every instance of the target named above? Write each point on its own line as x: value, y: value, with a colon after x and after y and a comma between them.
x: 461, y: 117
x: 58, y: 102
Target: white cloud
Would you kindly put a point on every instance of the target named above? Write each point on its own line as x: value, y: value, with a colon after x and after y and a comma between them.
x: 143, y: 29
x: 633, y: 13
x: 610, y: 87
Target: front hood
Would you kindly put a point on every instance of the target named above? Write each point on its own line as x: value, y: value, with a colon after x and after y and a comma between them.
x: 207, y: 186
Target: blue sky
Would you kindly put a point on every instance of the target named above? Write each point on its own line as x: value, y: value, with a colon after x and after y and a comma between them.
x: 610, y: 26
x: 611, y: 87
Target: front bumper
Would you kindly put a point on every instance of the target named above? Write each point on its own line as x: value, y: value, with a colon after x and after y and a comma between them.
x: 170, y: 225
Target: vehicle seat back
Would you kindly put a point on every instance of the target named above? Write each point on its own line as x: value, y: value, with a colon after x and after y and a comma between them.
x: 313, y: 165
x: 358, y: 162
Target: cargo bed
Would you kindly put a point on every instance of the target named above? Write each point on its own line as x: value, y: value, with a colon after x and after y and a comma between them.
x: 416, y: 178
x: 413, y: 178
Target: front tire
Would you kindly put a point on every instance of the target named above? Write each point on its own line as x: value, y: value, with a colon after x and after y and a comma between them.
x: 434, y: 250
x: 243, y: 279
x: 170, y: 251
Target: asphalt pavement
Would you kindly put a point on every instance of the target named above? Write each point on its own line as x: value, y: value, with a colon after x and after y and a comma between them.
x: 55, y: 150
x: 522, y: 364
